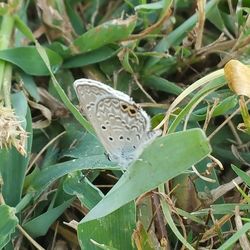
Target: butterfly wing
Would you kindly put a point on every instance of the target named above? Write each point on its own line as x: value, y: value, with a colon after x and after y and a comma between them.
x: 121, y: 125
x: 88, y: 93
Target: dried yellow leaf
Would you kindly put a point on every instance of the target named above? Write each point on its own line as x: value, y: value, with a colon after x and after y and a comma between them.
x: 238, y: 77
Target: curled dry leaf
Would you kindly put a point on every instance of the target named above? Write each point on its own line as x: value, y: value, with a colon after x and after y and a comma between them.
x: 238, y: 77
x: 242, y: 127
x: 73, y: 224
x: 49, y: 107
x: 41, y: 123
x: 56, y: 22
x: 56, y: 107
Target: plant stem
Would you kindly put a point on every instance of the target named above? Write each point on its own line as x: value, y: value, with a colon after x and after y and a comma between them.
x: 6, y: 30
x: 7, y: 84
x: 25, y: 201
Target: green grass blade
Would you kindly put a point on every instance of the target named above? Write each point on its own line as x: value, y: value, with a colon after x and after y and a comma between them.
x: 113, y: 231
x: 164, y: 159
x: 8, y: 223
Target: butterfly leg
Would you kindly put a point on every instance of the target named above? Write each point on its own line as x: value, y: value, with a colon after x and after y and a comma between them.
x: 107, y: 155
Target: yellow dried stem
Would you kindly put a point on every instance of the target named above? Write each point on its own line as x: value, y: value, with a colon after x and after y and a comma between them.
x: 238, y: 77
x: 245, y: 127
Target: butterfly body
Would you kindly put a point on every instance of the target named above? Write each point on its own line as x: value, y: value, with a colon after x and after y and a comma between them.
x: 122, y: 126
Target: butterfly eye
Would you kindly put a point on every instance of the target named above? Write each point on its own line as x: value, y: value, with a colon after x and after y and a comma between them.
x: 111, y: 138
x: 121, y: 137
x: 103, y: 127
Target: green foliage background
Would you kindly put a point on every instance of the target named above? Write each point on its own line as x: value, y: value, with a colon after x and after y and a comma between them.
x: 57, y: 187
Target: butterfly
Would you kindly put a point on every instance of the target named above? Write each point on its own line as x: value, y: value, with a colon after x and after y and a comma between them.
x: 122, y: 126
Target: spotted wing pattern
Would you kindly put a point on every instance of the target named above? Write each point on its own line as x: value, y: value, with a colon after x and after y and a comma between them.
x: 121, y: 125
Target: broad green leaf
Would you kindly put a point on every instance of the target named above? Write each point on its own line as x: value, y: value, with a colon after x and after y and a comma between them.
x: 106, y: 33
x: 51, y: 173
x: 161, y: 84
x: 216, y: 19
x: 30, y: 61
x: 41, y: 224
x: 164, y: 159
x: 223, y: 107
x: 114, y: 230
x: 88, y: 194
x: 164, y: 65
x: 8, y: 223
x: 242, y: 175
x: 150, y: 6
x: 86, y: 144
x: 88, y: 58
x: 30, y: 85
x: 13, y: 165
